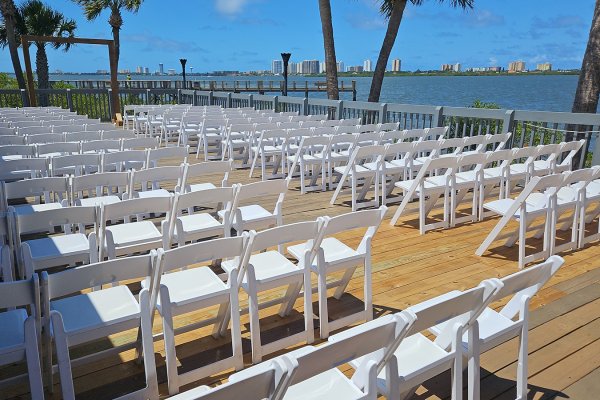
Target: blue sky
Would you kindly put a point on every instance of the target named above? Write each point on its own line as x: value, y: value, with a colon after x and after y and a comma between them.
x: 248, y: 34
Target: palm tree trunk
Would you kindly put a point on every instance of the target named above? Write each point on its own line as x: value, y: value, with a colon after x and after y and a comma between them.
x: 588, y: 86
x: 329, y: 45
x: 8, y: 14
x: 386, y: 49
x: 116, y: 21
x: 41, y: 69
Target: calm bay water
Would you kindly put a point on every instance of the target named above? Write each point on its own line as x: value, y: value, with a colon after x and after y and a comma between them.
x: 522, y: 92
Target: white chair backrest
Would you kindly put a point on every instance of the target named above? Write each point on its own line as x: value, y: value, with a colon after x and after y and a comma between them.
x: 47, y: 220
x: 155, y: 155
x: 85, y: 136
x: 120, y: 159
x: 97, y: 184
x: 23, y: 150
x: 152, y: 178
x: 132, y: 207
x: 206, y: 197
x: 100, y: 146
x: 261, y: 189
x: 140, y: 143
x: 47, y: 187
x: 45, y: 138
x: 117, y: 134
x: 67, y: 128
x: 63, y: 148
x: 436, y: 133
x: 34, y: 167
x: 21, y: 293
x: 80, y: 162
x: 33, y: 130
x: 208, y: 168
x: 6, y: 140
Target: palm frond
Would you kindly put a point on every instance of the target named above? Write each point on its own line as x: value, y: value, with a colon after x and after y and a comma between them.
x: 387, y: 6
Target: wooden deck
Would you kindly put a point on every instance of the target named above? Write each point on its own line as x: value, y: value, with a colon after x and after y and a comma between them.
x: 564, y: 341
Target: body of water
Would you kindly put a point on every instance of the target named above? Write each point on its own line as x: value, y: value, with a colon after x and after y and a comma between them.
x: 519, y: 92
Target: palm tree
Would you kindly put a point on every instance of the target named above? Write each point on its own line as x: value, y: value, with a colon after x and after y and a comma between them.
x: 9, y: 11
x: 36, y: 18
x: 393, y: 10
x: 588, y: 86
x: 93, y: 8
x: 328, y: 43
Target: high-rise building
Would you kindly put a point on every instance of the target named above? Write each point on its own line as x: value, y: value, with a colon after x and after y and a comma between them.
x: 396, y: 65
x: 277, y: 67
x: 516, y: 66
x: 340, y: 66
x: 310, y: 66
x: 450, y: 67
x: 356, y: 68
x: 292, y: 68
x: 544, y: 67
x: 456, y: 67
x: 299, y: 68
x: 146, y: 70
x: 367, y: 66
x: 139, y: 69
x: 322, y: 67
x: 161, y: 68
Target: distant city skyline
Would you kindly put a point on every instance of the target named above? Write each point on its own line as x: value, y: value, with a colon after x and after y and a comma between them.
x: 232, y: 35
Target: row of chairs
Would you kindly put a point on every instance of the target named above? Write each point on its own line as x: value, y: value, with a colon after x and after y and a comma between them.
x: 392, y: 356
x: 172, y: 288
x: 74, y: 136
x: 56, y: 127
x: 563, y: 201
x: 186, y: 220
x: 98, y: 156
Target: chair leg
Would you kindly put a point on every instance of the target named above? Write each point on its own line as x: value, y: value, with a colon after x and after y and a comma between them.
x: 170, y: 350
x: 32, y: 355
x: 522, y: 238
x: 291, y: 294
x: 253, y: 314
x: 522, y: 366
x: 63, y: 358
x: 222, y: 315
x: 339, y: 291
x: 148, y: 345
x: 323, y: 311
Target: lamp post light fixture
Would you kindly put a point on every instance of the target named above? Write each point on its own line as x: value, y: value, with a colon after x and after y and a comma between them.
x: 286, y: 58
x: 183, y: 61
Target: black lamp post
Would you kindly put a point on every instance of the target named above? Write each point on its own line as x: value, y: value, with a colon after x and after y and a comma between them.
x: 286, y: 58
x: 183, y: 61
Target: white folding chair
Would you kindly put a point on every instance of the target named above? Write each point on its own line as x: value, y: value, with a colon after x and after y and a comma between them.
x: 365, y: 166
x: 262, y: 269
x: 120, y: 161
x: 73, y: 318
x: 48, y: 193
x: 260, y: 383
x: 20, y: 331
x: 429, y: 187
x: 565, y: 162
x: 236, y: 144
x: 253, y: 216
x: 139, y: 143
x: 309, y: 156
x: 100, y: 188
x: 334, y: 256
x: 152, y: 182
x: 132, y: 237
x: 198, y: 173
x: 210, y: 138
x: 270, y: 145
x: 155, y: 156
x: 197, y: 225
x: 24, y: 168
x: 417, y: 358
x: 73, y: 247
x: 190, y: 290
x: 496, y: 327
x: 75, y: 164
x: 537, y: 200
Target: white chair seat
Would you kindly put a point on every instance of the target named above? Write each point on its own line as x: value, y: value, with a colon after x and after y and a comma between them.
x: 201, y: 186
x: 331, y: 384
x: 333, y: 249
x: 359, y: 170
x: 270, y: 266
x: 252, y: 212
x: 196, y: 223
x: 12, y: 334
x: 432, y: 182
x: 415, y: 353
x: 503, y: 205
x: 51, y: 247
x: 90, y: 311
x: 153, y: 193
x: 134, y: 233
x: 192, y: 285
x: 27, y: 209
x: 98, y: 201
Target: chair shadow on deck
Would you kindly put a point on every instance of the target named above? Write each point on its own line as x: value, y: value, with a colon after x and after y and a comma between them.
x: 492, y: 387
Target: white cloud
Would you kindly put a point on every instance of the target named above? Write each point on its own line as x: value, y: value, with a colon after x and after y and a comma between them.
x: 230, y: 7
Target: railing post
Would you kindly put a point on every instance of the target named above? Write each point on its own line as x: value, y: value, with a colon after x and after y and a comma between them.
x: 210, y: 98
x: 250, y: 100
x: 596, y: 154
x: 383, y: 113
x: 438, y: 117
x: 147, y: 96
x: 24, y: 98
x: 275, y: 103
x: 305, y: 106
x: 110, y: 104
x: 228, y: 104
x: 509, y: 120
x: 178, y: 96
x: 70, y: 100
x: 194, y: 99
x: 340, y: 109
